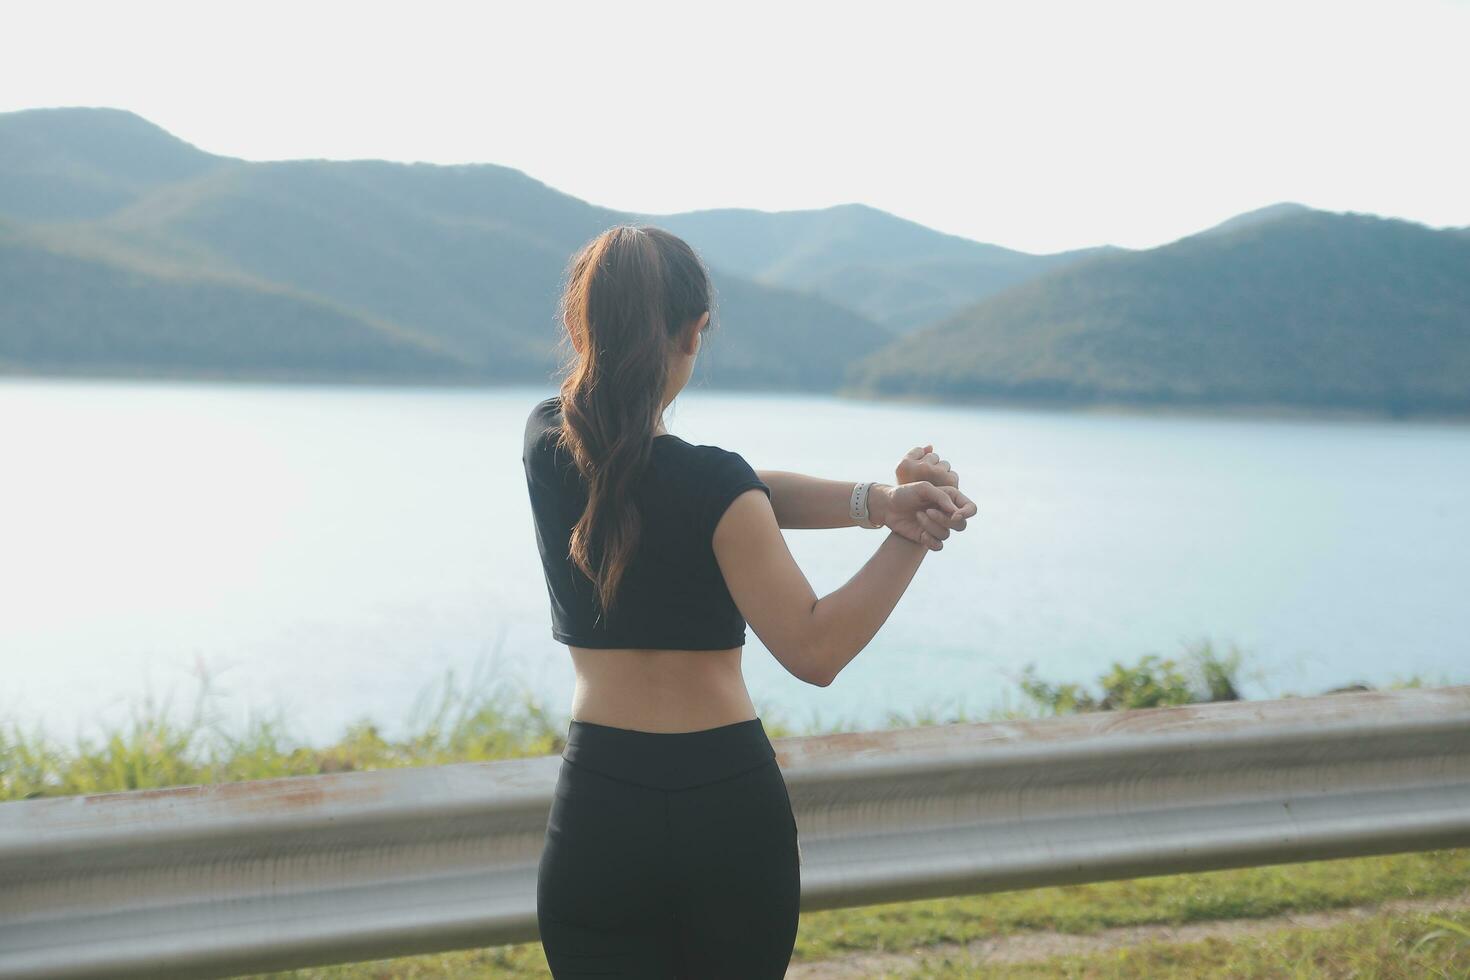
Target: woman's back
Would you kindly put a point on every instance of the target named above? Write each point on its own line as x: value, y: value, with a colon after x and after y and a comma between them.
x: 672, y: 595
x: 669, y: 660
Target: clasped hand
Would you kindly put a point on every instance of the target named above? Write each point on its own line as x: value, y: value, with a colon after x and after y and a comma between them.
x: 926, y: 503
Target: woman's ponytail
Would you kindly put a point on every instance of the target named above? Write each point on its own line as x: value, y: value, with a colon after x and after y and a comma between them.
x: 628, y: 293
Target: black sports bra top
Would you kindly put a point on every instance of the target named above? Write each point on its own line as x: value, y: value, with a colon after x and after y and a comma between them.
x: 673, y: 595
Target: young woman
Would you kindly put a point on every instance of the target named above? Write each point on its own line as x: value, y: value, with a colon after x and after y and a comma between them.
x: 671, y: 849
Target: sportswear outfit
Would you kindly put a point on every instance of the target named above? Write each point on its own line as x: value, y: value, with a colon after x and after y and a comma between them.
x: 667, y: 854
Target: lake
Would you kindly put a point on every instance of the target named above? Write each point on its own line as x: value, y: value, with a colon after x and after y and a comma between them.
x: 331, y: 553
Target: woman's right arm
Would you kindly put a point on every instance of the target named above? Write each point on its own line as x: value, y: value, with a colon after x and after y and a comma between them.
x: 812, y: 638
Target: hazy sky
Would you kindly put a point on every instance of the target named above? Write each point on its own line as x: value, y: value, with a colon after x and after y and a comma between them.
x: 1035, y: 125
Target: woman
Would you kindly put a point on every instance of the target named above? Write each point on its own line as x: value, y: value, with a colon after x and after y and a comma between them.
x: 671, y: 849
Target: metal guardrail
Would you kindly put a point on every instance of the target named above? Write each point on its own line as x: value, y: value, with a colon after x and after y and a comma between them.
x: 217, y: 880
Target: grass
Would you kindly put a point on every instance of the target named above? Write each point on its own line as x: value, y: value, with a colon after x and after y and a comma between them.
x: 465, y: 723
x: 1243, y: 893
x: 468, y: 722
x: 476, y: 721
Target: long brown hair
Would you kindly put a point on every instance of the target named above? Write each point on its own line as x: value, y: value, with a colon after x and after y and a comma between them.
x: 628, y: 293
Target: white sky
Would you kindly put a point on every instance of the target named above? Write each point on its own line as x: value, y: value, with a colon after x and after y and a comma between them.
x: 1035, y: 125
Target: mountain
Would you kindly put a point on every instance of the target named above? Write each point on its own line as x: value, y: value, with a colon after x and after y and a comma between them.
x: 894, y: 271
x: 1301, y: 308
x: 64, y: 164
x: 124, y: 250
x: 464, y: 262
x: 1270, y: 212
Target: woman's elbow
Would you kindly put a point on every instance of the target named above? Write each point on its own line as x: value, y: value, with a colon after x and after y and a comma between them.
x: 815, y: 670
x: 803, y: 662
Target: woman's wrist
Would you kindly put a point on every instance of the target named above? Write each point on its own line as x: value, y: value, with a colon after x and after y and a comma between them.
x: 880, y: 503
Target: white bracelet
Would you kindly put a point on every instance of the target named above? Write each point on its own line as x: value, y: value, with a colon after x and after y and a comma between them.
x: 858, y: 504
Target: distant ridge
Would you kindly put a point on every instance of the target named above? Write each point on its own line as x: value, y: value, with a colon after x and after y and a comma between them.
x: 1295, y: 308
x: 896, y: 271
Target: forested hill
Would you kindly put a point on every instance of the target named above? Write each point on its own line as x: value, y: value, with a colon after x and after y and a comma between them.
x: 1301, y: 308
x: 63, y: 313
x: 127, y: 250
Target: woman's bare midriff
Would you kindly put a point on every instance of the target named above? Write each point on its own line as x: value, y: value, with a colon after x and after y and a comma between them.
x: 660, y: 690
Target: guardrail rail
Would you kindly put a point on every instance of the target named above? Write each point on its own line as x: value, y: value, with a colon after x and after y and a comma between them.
x: 204, y: 881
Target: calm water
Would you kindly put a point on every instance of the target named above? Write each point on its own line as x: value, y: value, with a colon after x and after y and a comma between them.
x: 332, y: 552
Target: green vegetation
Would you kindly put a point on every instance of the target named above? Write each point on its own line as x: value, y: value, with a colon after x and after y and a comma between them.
x: 464, y: 724
x: 1151, y: 683
x: 467, y: 722
x: 1298, y: 309
x: 474, y: 722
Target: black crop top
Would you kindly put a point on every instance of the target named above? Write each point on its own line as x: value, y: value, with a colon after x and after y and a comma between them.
x: 673, y: 595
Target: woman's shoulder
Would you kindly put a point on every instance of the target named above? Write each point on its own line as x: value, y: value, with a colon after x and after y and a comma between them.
x: 542, y: 426
x: 545, y: 415
x: 716, y: 464
x: 698, y: 451
x: 714, y: 476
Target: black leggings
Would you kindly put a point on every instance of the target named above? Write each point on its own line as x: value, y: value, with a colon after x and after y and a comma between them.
x: 669, y: 855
